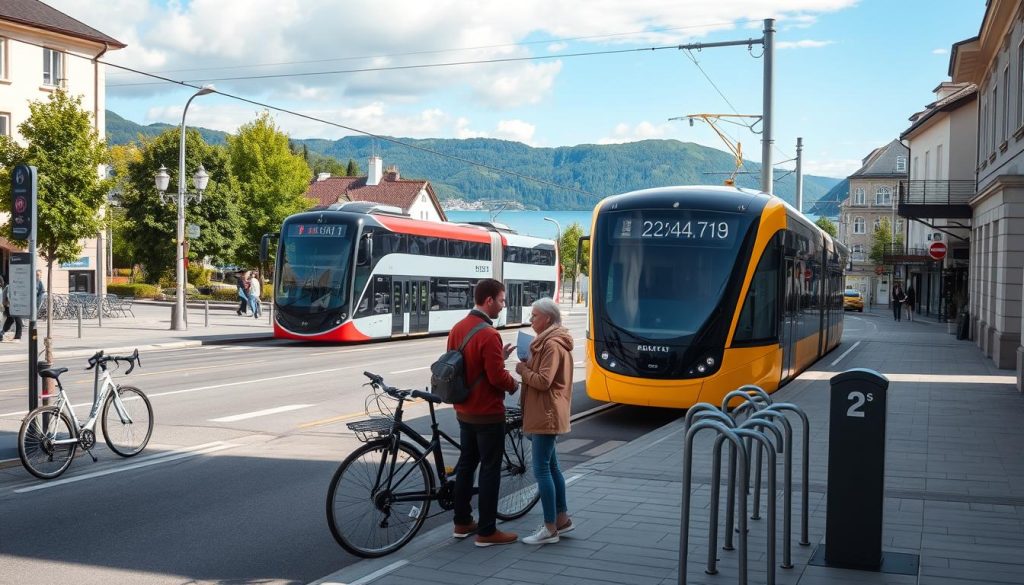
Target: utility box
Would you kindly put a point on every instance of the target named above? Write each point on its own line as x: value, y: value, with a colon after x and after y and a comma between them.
x: 856, y: 470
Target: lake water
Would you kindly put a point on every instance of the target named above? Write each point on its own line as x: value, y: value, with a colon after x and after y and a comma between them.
x: 530, y: 223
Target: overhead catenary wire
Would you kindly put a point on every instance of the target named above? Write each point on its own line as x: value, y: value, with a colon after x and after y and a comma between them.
x: 395, y: 141
x: 461, y: 49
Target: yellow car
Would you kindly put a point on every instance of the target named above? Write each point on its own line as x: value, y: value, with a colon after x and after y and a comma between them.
x: 852, y: 301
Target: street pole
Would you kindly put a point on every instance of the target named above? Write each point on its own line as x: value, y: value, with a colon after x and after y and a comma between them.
x: 799, y: 175
x: 558, y: 250
x: 178, y: 317
x: 766, y: 120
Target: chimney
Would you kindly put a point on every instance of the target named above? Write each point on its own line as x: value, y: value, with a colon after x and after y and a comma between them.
x: 391, y: 174
x: 374, y: 174
x: 323, y: 177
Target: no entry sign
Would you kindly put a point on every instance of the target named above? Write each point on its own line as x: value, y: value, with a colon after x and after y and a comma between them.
x: 937, y: 250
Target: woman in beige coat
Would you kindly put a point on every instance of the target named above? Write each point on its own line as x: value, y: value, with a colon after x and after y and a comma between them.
x: 546, y: 397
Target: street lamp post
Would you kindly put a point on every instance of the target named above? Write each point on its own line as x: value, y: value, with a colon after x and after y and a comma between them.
x: 558, y: 247
x: 200, y: 179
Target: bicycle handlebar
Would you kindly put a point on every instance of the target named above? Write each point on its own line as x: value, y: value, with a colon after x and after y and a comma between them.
x: 98, y: 359
x: 378, y: 381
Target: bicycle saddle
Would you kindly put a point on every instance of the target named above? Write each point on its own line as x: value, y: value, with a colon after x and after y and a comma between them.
x: 52, y: 373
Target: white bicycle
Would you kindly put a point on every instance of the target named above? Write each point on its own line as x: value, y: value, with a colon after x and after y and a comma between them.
x: 51, y: 434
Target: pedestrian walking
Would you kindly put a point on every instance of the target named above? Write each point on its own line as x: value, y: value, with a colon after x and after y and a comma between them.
x: 40, y: 291
x: 242, y: 283
x: 898, y: 298
x: 546, y: 400
x: 911, y: 302
x: 9, y: 320
x: 255, y: 291
x: 482, y: 415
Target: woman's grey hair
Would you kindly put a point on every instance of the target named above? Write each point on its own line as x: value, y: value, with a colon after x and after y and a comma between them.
x: 549, y: 308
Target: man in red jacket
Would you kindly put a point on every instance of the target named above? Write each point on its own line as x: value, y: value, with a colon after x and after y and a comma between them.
x: 482, y: 416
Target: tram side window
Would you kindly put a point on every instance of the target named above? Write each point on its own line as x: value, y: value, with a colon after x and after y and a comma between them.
x: 376, y: 299
x: 451, y: 294
x: 759, y: 317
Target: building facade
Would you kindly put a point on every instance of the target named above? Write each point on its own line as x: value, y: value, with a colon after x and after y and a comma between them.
x: 994, y: 61
x: 942, y: 140
x: 416, y: 198
x: 872, y: 197
x: 42, y: 49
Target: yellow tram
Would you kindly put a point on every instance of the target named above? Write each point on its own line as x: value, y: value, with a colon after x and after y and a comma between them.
x: 695, y: 291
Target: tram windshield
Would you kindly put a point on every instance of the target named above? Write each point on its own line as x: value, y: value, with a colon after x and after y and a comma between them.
x: 314, y: 267
x: 661, y: 274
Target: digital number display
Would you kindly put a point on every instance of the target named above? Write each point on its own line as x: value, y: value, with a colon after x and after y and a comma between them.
x: 697, y: 228
x: 316, y: 230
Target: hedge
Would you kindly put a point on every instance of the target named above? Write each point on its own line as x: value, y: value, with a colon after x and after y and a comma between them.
x: 137, y: 290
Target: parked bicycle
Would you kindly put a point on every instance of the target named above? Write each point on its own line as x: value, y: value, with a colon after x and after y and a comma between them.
x: 381, y: 494
x: 50, y: 435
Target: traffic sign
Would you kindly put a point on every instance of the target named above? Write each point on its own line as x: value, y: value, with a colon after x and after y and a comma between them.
x: 192, y: 231
x: 937, y: 250
x: 23, y: 202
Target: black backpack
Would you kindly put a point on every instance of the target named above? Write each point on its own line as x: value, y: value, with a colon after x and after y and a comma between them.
x: 448, y: 373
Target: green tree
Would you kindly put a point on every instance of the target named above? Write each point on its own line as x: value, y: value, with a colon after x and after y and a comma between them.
x: 883, y: 243
x: 567, y: 252
x: 121, y: 157
x: 352, y: 170
x: 62, y: 143
x: 151, y: 226
x: 827, y: 225
x: 319, y: 163
x: 273, y: 182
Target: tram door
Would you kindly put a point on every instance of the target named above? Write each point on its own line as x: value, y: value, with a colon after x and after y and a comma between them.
x: 790, y: 329
x: 419, y: 306
x: 399, y: 306
x: 514, y: 302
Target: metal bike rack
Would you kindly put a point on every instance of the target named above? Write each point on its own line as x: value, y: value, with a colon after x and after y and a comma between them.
x: 684, y: 534
x: 787, y: 477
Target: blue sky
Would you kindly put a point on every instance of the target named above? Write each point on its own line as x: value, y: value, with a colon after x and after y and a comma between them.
x: 864, y: 67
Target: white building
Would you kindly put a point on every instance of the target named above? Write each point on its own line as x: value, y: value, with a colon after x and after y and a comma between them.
x: 42, y: 49
x: 942, y: 140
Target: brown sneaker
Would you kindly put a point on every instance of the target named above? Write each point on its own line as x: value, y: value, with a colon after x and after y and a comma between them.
x: 464, y: 530
x: 498, y: 537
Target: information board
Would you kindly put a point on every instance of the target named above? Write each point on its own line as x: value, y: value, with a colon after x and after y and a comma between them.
x: 22, y: 284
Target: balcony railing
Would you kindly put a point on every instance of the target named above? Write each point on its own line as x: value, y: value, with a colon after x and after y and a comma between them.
x: 949, y: 192
x: 898, y: 254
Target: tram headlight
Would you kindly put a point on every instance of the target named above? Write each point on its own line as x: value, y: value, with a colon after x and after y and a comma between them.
x: 612, y: 364
x: 702, y: 368
x: 710, y: 362
x: 604, y: 355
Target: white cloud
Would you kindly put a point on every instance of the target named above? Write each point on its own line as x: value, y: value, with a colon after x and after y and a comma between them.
x: 804, y: 44
x: 517, y: 130
x: 831, y: 168
x: 643, y: 131
x: 462, y: 130
x: 940, y: 51
x: 556, y: 47
x: 242, y: 37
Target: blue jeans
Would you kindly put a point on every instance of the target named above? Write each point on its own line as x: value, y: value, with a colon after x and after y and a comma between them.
x: 550, y: 481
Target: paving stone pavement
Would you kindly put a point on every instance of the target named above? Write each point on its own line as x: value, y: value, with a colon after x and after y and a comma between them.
x: 954, y: 487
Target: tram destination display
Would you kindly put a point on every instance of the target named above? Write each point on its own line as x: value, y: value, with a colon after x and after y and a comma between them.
x: 682, y: 227
x: 316, y: 230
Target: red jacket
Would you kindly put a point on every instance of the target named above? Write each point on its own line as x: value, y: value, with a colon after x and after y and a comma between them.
x: 483, y: 353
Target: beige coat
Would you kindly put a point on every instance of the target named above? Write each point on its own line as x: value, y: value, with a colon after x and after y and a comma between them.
x: 547, y: 383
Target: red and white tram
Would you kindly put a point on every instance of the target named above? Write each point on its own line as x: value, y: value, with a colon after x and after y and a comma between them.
x: 359, y: 271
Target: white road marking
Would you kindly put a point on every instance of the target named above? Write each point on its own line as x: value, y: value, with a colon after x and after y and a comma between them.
x: 925, y: 378
x: 270, y: 379
x: 573, y: 479
x: 155, y: 460
x: 573, y: 444
x: 410, y: 370
x: 258, y: 413
x: 372, y: 576
x: 845, y: 353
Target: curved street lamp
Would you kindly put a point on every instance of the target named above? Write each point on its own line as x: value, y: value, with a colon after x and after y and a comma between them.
x: 200, y: 180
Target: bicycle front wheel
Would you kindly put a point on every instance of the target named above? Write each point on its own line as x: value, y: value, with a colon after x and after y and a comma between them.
x: 379, y: 498
x: 127, y: 421
x: 518, y: 492
x: 36, y: 442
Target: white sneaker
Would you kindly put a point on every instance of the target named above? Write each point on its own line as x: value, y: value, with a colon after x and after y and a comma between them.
x: 542, y: 536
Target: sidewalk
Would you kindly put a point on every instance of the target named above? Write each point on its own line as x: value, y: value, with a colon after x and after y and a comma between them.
x: 954, y: 487
x: 150, y: 329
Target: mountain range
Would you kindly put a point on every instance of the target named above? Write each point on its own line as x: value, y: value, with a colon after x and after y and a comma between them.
x: 593, y: 171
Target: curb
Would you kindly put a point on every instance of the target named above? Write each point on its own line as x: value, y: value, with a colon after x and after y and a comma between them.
x: 423, y: 545
x: 225, y: 339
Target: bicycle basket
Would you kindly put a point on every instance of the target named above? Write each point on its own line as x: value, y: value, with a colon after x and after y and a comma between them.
x: 370, y: 429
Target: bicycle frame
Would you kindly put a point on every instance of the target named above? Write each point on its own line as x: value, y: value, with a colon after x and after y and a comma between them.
x: 104, y: 385
x: 431, y: 447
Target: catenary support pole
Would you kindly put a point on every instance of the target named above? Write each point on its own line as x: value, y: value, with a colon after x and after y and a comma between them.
x: 799, y: 175
x: 767, y: 179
